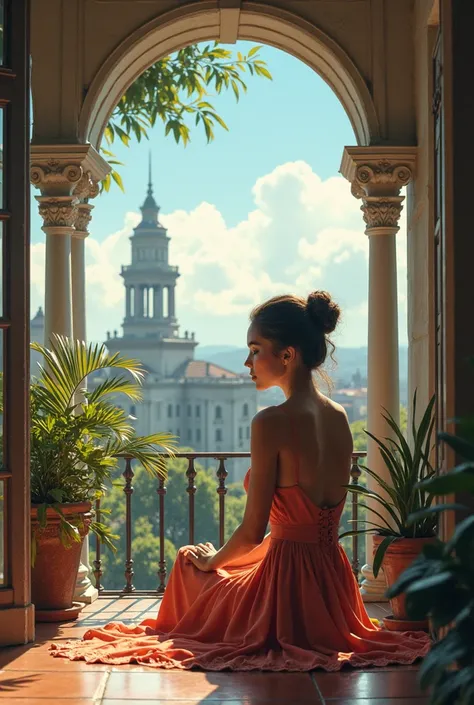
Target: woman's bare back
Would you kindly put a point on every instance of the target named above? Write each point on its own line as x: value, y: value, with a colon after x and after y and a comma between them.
x: 315, y: 449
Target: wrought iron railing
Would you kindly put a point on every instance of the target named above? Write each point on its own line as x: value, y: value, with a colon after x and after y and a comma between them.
x: 221, y: 489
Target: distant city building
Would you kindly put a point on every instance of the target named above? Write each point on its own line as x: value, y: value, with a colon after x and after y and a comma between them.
x: 354, y: 402
x: 208, y: 407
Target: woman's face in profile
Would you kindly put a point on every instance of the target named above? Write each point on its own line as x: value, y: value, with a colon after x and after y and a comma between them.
x: 266, y: 367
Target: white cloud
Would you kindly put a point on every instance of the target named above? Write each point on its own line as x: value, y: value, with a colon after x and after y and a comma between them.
x: 304, y: 233
x: 103, y: 262
x: 37, y: 265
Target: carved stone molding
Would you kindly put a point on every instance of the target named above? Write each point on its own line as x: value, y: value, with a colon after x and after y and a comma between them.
x: 83, y: 219
x: 86, y: 187
x: 379, y: 170
x: 66, y: 170
x: 57, y: 211
x: 382, y: 173
x: 377, y: 175
x: 55, y: 177
x: 382, y: 212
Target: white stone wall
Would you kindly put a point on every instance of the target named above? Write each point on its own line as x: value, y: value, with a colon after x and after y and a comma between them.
x: 207, y: 415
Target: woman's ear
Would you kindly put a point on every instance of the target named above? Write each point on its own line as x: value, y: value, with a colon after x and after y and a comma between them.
x: 288, y: 355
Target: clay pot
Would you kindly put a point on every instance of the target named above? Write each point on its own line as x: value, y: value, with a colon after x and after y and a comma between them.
x: 54, y: 575
x: 399, y: 555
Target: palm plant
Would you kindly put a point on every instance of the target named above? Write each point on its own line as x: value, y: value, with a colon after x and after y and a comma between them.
x: 77, y: 434
x: 402, y: 496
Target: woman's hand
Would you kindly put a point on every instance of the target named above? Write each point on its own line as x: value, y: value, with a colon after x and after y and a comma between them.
x: 201, y: 556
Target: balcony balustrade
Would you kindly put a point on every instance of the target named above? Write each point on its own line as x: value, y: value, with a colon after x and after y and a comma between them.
x: 221, y: 489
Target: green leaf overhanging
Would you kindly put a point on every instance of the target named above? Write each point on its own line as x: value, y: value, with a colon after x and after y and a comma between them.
x: 177, y: 91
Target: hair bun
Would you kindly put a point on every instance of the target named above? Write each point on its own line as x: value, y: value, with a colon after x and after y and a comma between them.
x: 323, y: 311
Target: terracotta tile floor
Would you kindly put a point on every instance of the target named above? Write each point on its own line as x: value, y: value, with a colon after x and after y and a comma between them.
x: 30, y: 676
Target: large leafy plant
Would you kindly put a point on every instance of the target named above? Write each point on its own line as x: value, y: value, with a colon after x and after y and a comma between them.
x: 402, y: 495
x: 439, y: 585
x: 78, y: 434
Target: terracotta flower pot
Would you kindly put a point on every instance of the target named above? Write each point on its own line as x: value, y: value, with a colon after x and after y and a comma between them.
x: 53, y: 577
x: 399, y: 555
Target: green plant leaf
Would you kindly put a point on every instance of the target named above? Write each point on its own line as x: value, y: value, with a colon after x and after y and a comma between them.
x: 461, y: 446
x: 357, y: 532
x: 442, y: 654
x: 118, y: 179
x: 254, y: 50
x: 429, y: 511
x: 358, y: 489
x: 420, y: 594
x: 380, y: 553
x: 461, y: 479
x: 462, y: 540
x: 449, y: 691
x: 57, y: 494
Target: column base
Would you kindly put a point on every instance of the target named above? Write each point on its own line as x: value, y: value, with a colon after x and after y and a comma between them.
x: 18, y: 625
x: 373, y: 589
x: 87, y: 594
x: 85, y: 591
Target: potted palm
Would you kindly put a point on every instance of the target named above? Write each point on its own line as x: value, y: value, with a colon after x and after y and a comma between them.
x: 439, y: 585
x: 76, y: 436
x: 397, y: 541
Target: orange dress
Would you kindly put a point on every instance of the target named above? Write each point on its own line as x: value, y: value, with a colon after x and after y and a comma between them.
x: 296, y: 609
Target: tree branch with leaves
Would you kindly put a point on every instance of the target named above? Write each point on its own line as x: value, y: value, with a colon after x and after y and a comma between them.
x: 178, y: 90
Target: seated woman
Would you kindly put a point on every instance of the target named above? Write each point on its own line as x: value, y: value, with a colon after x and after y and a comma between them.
x: 287, y: 601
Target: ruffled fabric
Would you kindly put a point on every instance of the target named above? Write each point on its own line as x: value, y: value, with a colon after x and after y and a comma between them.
x: 297, y: 608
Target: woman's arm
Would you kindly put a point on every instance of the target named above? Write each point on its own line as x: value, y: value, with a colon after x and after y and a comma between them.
x: 249, y: 535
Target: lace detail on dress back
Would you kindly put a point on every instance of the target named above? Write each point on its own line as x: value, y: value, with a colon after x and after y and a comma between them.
x: 328, y: 527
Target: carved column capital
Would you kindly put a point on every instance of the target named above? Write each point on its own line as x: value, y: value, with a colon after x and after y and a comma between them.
x: 381, y: 212
x: 66, y: 170
x: 83, y: 219
x: 67, y: 176
x: 87, y: 187
x: 57, y: 211
x: 377, y: 174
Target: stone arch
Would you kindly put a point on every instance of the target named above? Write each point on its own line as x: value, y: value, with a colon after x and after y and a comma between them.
x: 259, y: 23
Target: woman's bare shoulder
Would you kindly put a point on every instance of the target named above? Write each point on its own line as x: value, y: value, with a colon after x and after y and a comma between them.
x: 267, y: 425
x: 268, y: 415
x: 333, y: 407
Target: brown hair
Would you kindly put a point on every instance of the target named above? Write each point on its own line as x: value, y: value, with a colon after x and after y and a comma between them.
x: 305, y: 324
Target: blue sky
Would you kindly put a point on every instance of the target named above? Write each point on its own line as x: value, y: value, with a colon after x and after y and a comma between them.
x: 259, y: 211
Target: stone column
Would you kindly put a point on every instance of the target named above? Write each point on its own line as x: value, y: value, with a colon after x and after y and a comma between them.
x: 157, y: 302
x: 139, y: 296
x: 85, y: 591
x: 62, y: 173
x: 171, y: 304
x: 377, y: 174
x: 78, y: 266
x: 128, y: 295
x: 59, y: 214
x: 67, y: 175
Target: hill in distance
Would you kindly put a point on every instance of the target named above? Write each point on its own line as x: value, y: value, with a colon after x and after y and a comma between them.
x: 349, y: 360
